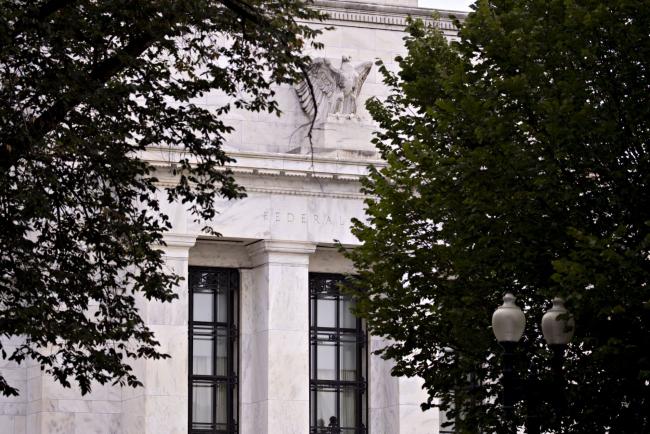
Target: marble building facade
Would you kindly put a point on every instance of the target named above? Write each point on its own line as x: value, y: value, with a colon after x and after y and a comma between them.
x: 301, y: 198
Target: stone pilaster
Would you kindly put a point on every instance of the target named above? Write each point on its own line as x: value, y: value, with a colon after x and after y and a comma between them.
x: 383, y: 392
x: 161, y: 405
x: 274, y: 367
x: 412, y: 420
x: 395, y: 402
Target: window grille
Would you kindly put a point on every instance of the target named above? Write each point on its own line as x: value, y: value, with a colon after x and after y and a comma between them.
x: 213, y: 350
x: 338, y: 360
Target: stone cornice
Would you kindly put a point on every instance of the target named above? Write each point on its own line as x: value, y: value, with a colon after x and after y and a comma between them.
x: 385, y: 15
x: 179, y: 240
x: 279, y: 246
x: 262, y: 164
x: 280, y: 252
x: 306, y: 193
x: 303, y: 158
x: 177, y: 245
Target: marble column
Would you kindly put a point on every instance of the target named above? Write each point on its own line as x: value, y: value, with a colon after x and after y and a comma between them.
x: 412, y: 420
x: 383, y: 392
x: 160, y: 407
x: 274, y: 367
x: 395, y: 402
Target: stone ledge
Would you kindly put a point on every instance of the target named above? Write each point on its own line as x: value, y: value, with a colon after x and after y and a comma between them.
x: 390, y: 15
x: 179, y: 240
x: 327, y: 167
x: 276, y: 246
x: 274, y: 252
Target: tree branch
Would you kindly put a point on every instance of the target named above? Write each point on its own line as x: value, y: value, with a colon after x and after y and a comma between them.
x: 45, y: 11
x: 94, y: 80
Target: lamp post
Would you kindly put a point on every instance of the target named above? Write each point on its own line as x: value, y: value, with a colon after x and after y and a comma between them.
x: 508, y: 324
x: 557, y: 328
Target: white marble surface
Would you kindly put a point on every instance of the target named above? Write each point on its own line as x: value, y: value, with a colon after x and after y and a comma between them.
x: 412, y: 420
x: 254, y: 417
x: 329, y: 260
x: 13, y: 409
x: 277, y: 216
x: 275, y: 347
x: 96, y: 423
x: 340, y: 138
x: 133, y: 415
x: 264, y: 132
x: 219, y: 253
x: 383, y: 390
x: 411, y: 417
x: 10, y: 424
x: 160, y: 406
x: 385, y: 421
x: 390, y: 2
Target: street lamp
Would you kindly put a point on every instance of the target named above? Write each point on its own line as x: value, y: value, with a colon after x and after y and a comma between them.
x: 558, y: 327
x: 508, y: 323
x: 557, y: 324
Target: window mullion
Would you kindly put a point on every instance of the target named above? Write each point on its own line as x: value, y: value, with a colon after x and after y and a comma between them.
x: 215, y: 349
x: 190, y: 369
x: 337, y: 323
x: 314, y: 336
x: 229, y: 359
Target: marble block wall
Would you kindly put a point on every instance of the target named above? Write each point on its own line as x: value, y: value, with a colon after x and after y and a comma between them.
x: 394, y: 403
x: 13, y: 410
x: 160, y: 406
x: 54, y: 409
x: 274, y: 356
x: 364, y: 31
x: 383, y: 393
x: 411, y: 417
x: 390, y: 2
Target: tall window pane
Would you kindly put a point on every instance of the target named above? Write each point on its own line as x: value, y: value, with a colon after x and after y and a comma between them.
x: 338, y: 360
x: 213, y: 350
x: 203, y: 350
x: 202, y: 404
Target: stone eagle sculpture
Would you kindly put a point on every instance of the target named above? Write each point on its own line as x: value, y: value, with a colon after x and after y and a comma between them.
x: 335, y: 89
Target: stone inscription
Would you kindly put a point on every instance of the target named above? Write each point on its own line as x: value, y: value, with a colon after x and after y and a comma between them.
x: 273, y: 216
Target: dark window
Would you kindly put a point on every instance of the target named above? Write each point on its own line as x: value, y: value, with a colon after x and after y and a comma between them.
x: 213, y: 350
x: 338, y: 400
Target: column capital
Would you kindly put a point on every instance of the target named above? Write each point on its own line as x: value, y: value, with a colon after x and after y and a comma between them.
x: 285, y: 252
x: 173, y: 239
x: 177, y: 245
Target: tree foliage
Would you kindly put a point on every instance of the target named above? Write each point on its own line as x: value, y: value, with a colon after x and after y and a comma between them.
x: 85, y: 87
x: 517, y: 161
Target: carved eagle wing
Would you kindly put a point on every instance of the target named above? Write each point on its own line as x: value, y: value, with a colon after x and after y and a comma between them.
x: 363, y: 70
x: 326, y: 81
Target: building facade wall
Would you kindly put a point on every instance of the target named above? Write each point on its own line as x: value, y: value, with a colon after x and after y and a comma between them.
x: 298, y: 204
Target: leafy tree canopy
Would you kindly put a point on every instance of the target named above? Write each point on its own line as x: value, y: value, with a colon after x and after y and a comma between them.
x: 517, y: 161
x: 85, y: 87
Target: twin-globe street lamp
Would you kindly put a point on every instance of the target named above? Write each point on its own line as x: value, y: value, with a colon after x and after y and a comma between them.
x: 508, y: 323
